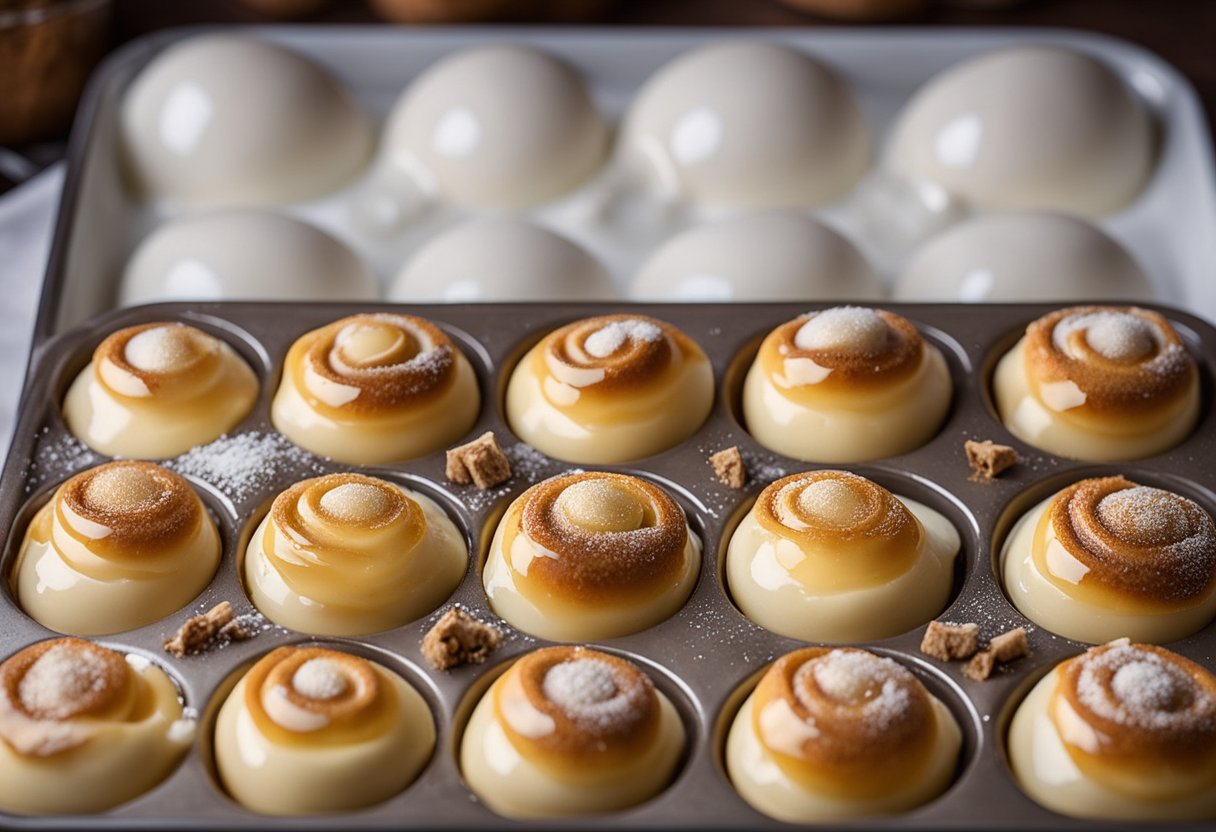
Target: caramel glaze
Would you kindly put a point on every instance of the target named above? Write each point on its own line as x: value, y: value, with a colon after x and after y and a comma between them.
x: 361, y: 712
x: 598, y: 566
x: 851, y: 370
x: 635, y: 362
x: 638, y: 365
x: 852, y: 739
x: 575, y: 743
x: 136, y: 531
x: 197, y: 346
x: 418, y: 368
x: 297, y: 544
x: 1112, y: 387
x: 94, y: 700
x: 1172, y: 731
x: 1164, y: 567
x: 880, y: 543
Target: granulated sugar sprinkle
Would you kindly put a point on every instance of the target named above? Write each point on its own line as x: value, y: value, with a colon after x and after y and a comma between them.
x: 855, y: 328
x: 590, y: 692
x: 60, y: 678
x: 319, y: 679
x: 56, y: 458
x: 607, y: 340
x: 242, y: 465
x: 1144, y: 691
x: 161, y: 349
x: 1146, y: 513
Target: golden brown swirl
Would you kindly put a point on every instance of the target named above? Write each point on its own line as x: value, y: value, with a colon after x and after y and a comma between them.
x: 849, y: 348
x: 46, y: 690
x: 831, y: 718
x: 343, y: 536
x: 156, y: 390
x: 315, y: 697
x: 864, y: 532
x: 372, y: 363
x: 616, y: 537
x: 126, y: 512
x: 1123, y: 361
x: 1143, y: 543
x: 563, y: 706
x: 1126, y: 709
x: 611, y: 352
x: 85, y: 679
x: 164, y: 360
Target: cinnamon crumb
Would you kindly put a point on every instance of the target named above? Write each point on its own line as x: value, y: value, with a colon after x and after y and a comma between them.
x: 480, y: 462
x: 202, y: 632
x: 235, y: 630
x: 458, y: 638
x: 1002, y: 649
x: 946, y: 642
x: 729, y: 468
x: 988, y: 460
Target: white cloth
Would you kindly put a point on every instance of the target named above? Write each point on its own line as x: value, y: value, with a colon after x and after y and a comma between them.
x: 27, y: 216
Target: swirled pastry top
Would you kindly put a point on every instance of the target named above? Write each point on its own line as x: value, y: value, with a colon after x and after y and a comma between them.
x: 122, y: 517
x: 596, y: 359
x: 1124, y: 711
x: 61, y: 694
x: 52, y: 691
x: 563, y: 706
x: 853, y: 532
x: 117, y: 547
x: 596, y: 535
x: 843, y: 349
x: 1106, y: 361
x: 1108, y: 536
x: 312, y: 696
x: 347, y: 554
x: 831, y: 718
x: 372, y: 364
x: 156, y: 390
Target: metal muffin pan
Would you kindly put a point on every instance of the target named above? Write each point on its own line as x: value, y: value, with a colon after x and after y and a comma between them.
x: 1167, y: 227
x: 705, y: 657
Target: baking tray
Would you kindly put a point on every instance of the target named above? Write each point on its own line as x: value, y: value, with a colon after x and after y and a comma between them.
x: 1168, y: 228
x: 706, y: 654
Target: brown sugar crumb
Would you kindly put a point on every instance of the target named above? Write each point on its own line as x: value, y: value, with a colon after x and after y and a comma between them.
x: 480, y: 462
x: 202, y: 632
x: 729, y: 468
x: 947, y: 642
x: 1005, y: 648
x: 988, y: 460
x: 458, y: 638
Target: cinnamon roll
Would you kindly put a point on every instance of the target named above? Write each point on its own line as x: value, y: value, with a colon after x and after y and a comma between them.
x: 156, y: 390
x: 1106, y: 557
x: 845, y: 385
x: 1099, y: 383
x: 610, y: 389
x: 590, y: 556
x: 376, y: 388
x: 570, y: 731
x: 833, y: 734
x: 830, y: 556
x: 310, y: 730
x: 346, y: 554
x: 117, y: 547
x: 1123, y: 732
x: 84, y: 728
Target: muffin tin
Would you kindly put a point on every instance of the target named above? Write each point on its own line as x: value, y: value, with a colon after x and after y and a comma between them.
x: 705, y: 658
x: 101, y: 222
